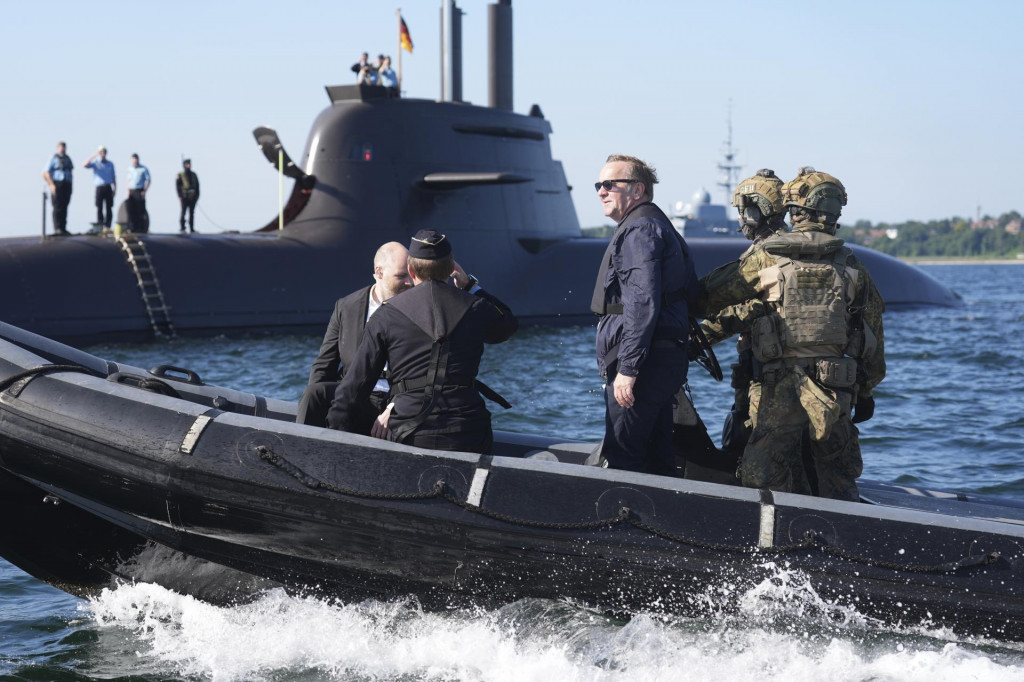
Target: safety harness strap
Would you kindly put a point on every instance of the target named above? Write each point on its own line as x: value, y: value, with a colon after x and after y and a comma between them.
x: 435, y: 379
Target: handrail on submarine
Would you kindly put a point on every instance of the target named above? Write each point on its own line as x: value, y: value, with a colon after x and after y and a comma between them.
x: 270, y: 144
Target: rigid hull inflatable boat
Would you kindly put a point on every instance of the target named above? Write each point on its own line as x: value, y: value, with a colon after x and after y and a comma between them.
x: 103, y: 465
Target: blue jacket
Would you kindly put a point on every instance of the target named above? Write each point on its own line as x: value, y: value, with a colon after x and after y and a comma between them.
x: 647, y: 270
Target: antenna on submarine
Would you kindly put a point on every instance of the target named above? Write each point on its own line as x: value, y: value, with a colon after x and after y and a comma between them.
x: 730, y: 169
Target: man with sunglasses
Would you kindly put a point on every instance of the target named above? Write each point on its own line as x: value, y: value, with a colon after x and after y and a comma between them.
x: 645, y: 287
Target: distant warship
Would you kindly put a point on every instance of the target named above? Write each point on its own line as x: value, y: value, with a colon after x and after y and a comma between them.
x: 698, y: 217
x: 377, y: 167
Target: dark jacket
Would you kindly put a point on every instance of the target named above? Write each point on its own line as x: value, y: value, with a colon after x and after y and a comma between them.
x: 187, y: 185
x: 342, y: 337
x: 648, y: 271
x: 402, y: 334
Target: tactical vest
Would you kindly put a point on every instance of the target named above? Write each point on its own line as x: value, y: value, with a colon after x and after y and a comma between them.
x: 64, y: 162
x: 189, y: 183
x: 809, y: 289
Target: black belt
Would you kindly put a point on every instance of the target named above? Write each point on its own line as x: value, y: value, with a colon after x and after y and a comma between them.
x: 666, y: 299
x: 421, y: 382
x: 453, y: 381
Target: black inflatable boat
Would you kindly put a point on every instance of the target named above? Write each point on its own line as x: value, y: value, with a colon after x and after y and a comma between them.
x: 110, y: 472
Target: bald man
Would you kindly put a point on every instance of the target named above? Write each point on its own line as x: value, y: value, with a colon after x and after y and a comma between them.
x: 391, y: 277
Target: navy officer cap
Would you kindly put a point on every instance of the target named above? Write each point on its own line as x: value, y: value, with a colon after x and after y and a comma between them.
x: 429, y: 245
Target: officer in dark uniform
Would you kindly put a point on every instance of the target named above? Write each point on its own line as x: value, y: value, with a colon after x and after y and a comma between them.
x: 432, y: 339
x: 645, y: 286
x: 187, y: 186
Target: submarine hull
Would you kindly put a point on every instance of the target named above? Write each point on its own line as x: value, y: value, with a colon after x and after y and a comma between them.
x: 82, y: 290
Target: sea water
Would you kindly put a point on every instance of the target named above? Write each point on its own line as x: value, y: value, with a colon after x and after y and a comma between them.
x: 949, y: 415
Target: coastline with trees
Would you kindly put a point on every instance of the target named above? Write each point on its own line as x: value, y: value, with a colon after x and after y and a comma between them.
x: 951, y: 240
x: 987, y: 238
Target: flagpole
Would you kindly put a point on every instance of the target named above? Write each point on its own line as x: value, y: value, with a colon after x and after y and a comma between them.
x: 399, y: 13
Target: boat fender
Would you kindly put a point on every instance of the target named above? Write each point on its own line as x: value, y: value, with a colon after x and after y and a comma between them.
x: 476, y: 486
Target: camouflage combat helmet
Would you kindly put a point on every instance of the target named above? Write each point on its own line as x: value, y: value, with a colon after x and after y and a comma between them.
x: 764, y: 189
x: 759, y: 202
x: 816, y: 191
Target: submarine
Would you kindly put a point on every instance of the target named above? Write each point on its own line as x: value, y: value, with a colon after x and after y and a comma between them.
x: 376, y: 167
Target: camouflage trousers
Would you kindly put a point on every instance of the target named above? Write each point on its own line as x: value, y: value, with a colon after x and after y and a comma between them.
x: 783, y: 407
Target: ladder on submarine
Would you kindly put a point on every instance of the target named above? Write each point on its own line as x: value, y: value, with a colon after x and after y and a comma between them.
x: 149, y: 286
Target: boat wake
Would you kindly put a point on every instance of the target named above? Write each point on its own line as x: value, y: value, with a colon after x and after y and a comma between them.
x: 185, y: 573
x: 781, y: 630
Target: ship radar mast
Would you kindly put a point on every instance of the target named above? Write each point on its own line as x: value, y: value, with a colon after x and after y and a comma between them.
x: 730, y: 169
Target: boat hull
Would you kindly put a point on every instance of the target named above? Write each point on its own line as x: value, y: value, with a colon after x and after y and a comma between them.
x: 341, y: 514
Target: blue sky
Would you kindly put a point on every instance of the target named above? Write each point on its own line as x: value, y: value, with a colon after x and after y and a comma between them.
x: 916, y: 106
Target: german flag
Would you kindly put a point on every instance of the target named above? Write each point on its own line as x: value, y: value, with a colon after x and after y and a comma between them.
x: 404, y: 36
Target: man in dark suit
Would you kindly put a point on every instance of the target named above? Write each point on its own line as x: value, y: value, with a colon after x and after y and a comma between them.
x: 431, y: 338
x: 391, y: 277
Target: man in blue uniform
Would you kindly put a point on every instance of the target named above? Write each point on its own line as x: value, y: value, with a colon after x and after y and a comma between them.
x: 644, y: 290
x: 106, y: 185
x: 57, y: 175
x: 344, y: 331
x: 432, y: 339
x: 138, y: 183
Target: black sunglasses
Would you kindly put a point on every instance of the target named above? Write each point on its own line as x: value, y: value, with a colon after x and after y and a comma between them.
x: 608, y: 184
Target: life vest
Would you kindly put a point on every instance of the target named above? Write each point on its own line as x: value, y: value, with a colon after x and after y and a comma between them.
x: 189, y: 183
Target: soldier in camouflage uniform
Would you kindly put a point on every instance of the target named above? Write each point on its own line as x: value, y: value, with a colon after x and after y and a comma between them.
x: 758, y: 199
x: 817, y: 340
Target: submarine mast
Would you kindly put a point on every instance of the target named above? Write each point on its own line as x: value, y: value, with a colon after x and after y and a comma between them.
x: 730, y: 169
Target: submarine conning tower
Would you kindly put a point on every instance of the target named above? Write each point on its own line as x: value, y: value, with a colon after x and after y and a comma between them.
x: 387, y: 166
x: 391, y: 166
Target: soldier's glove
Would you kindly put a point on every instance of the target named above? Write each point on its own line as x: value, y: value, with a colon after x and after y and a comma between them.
x: 864, y: 409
